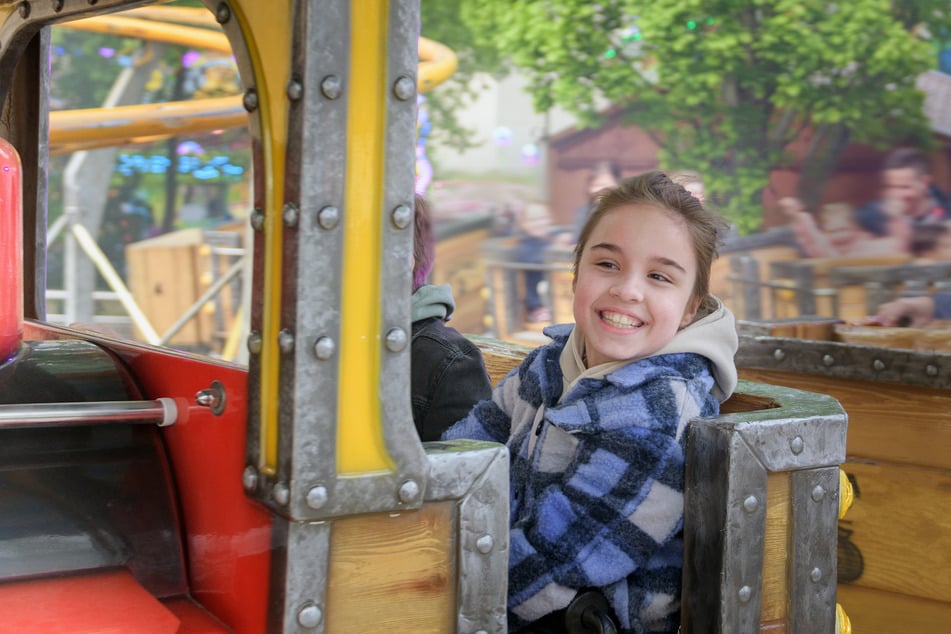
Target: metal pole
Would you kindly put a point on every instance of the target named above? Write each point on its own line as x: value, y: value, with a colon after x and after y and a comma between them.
x: 162, y: 412
x: 213, y: 290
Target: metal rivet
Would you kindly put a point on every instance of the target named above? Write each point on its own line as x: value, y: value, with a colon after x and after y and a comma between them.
x: 331, y: 86
x: 222, y: 13
x: 818, y: 493
x: 779, y: 355
x: 828, y: 360
x: 294, y: 90
x: 257, y: 220
x: 484, y: 544
x: 92, y: 2
x: 796, y: 445
x: 250, y: 101
x: 815, y: 575
x: 58, y: 5
x: 402, y: 216
x: 328, y: 217
x: 254, y: 343
x: 750, y: 504
x: 395, y: 339
x: 404, y: 88
x: 481, y: 632
x: 745, y: 594
x: 24, y: 10
x: 310, y: 616
x: 931, y: 370
x: 317, y: 497
x: 290, y: 214
x: 878, y: 365
x: 249, y: 479
x: 281, y: 494
x: 409, y: 491
x: 324, y: 348
x: 285, y: 341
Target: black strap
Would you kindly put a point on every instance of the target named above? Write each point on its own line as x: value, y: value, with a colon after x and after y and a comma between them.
x: 588, y: 613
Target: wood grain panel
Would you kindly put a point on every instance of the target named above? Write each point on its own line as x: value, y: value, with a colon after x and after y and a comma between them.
x: 876, y: 612
x: 393, y: 572
x: 889, y: 422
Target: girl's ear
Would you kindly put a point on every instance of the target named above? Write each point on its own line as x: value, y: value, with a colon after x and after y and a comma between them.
x: 690, y: 311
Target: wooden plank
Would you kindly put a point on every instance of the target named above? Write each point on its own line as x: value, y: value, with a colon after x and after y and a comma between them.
x: 897, y: 535
x: 877, y: 612
x: 458, y: 263
x: 890, y: 422
x: 776, y: 548
x: 393, y: 572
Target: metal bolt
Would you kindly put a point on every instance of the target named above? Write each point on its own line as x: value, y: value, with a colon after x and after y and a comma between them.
x: 222, y: 13
x: 212, y: 397
x: 815, y: 575
x: 310, y: 616
x: 255, y: 343
x: 750, y: 504
x: 828, y: 360
x: 285, y: 341
x: 58, y: 5
x: 294, y: 90
x: 796, y: 445
x: 745, y: 594
x: 290, y: 214
x: 409, y: 491
x: 317, y: 497
x: 249, y: 479
x: 24, y: 10
x: 818, y: 493
x: 324, y: 348
x: 878, y: 365
x: 404, y: 88
x: 931, y: 370
x: 484, y: 544
x: 250, y: 101
x: 328, y: 217
x: 402, y: 216
x: 257, y: 220
x: 281, y: 494
x: 331, y: 86
x: 396, y: 339
x: 778, y: 354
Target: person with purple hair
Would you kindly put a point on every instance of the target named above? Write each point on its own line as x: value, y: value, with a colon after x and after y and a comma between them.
x: 448, y: 375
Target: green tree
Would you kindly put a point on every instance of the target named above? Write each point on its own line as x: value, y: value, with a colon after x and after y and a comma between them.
x: 725, y: 86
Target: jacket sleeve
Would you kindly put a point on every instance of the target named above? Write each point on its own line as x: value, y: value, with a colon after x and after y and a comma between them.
x: 490, y: 419
x: 461, y: 383
x: 614, y: 507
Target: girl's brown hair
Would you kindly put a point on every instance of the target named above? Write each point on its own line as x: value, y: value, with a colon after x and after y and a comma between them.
x: 657, y: 190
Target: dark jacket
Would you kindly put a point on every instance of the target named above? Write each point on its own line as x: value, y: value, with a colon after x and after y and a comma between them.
x: 448, y: 373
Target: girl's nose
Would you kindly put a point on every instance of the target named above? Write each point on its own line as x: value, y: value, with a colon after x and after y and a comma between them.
x: 629, y: 289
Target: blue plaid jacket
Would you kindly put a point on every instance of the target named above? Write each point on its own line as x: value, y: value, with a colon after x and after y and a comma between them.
x: 596, y: 481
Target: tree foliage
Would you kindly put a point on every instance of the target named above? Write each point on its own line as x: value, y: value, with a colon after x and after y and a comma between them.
x: 725, y: 86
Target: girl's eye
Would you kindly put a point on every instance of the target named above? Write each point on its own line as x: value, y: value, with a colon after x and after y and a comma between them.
x: 660, y: 277
x: 606, y: 265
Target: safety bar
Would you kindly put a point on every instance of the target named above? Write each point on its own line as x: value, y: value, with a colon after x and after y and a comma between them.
x: 161, y: 412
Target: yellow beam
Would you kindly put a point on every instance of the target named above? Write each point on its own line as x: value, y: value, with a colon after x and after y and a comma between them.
x: 150, y: 30
x: 154, y: 119
x: 360, y: 446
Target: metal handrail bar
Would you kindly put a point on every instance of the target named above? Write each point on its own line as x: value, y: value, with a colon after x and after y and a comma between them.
x: 161, y: 412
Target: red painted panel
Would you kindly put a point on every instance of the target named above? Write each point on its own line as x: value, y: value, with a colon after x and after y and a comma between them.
x: 228, y: 535
x: 11, y: 251
x: 103, y: 602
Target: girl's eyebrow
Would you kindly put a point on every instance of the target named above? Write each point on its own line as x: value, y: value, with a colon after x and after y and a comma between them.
x: 613, y: 248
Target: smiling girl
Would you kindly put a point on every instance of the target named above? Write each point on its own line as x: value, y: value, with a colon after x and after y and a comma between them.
x: 594, y: 420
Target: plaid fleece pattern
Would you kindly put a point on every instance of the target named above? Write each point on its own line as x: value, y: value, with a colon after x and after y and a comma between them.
x: 596, y: 481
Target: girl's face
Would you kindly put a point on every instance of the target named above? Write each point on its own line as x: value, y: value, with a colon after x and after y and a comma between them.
x: 634, y: 284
